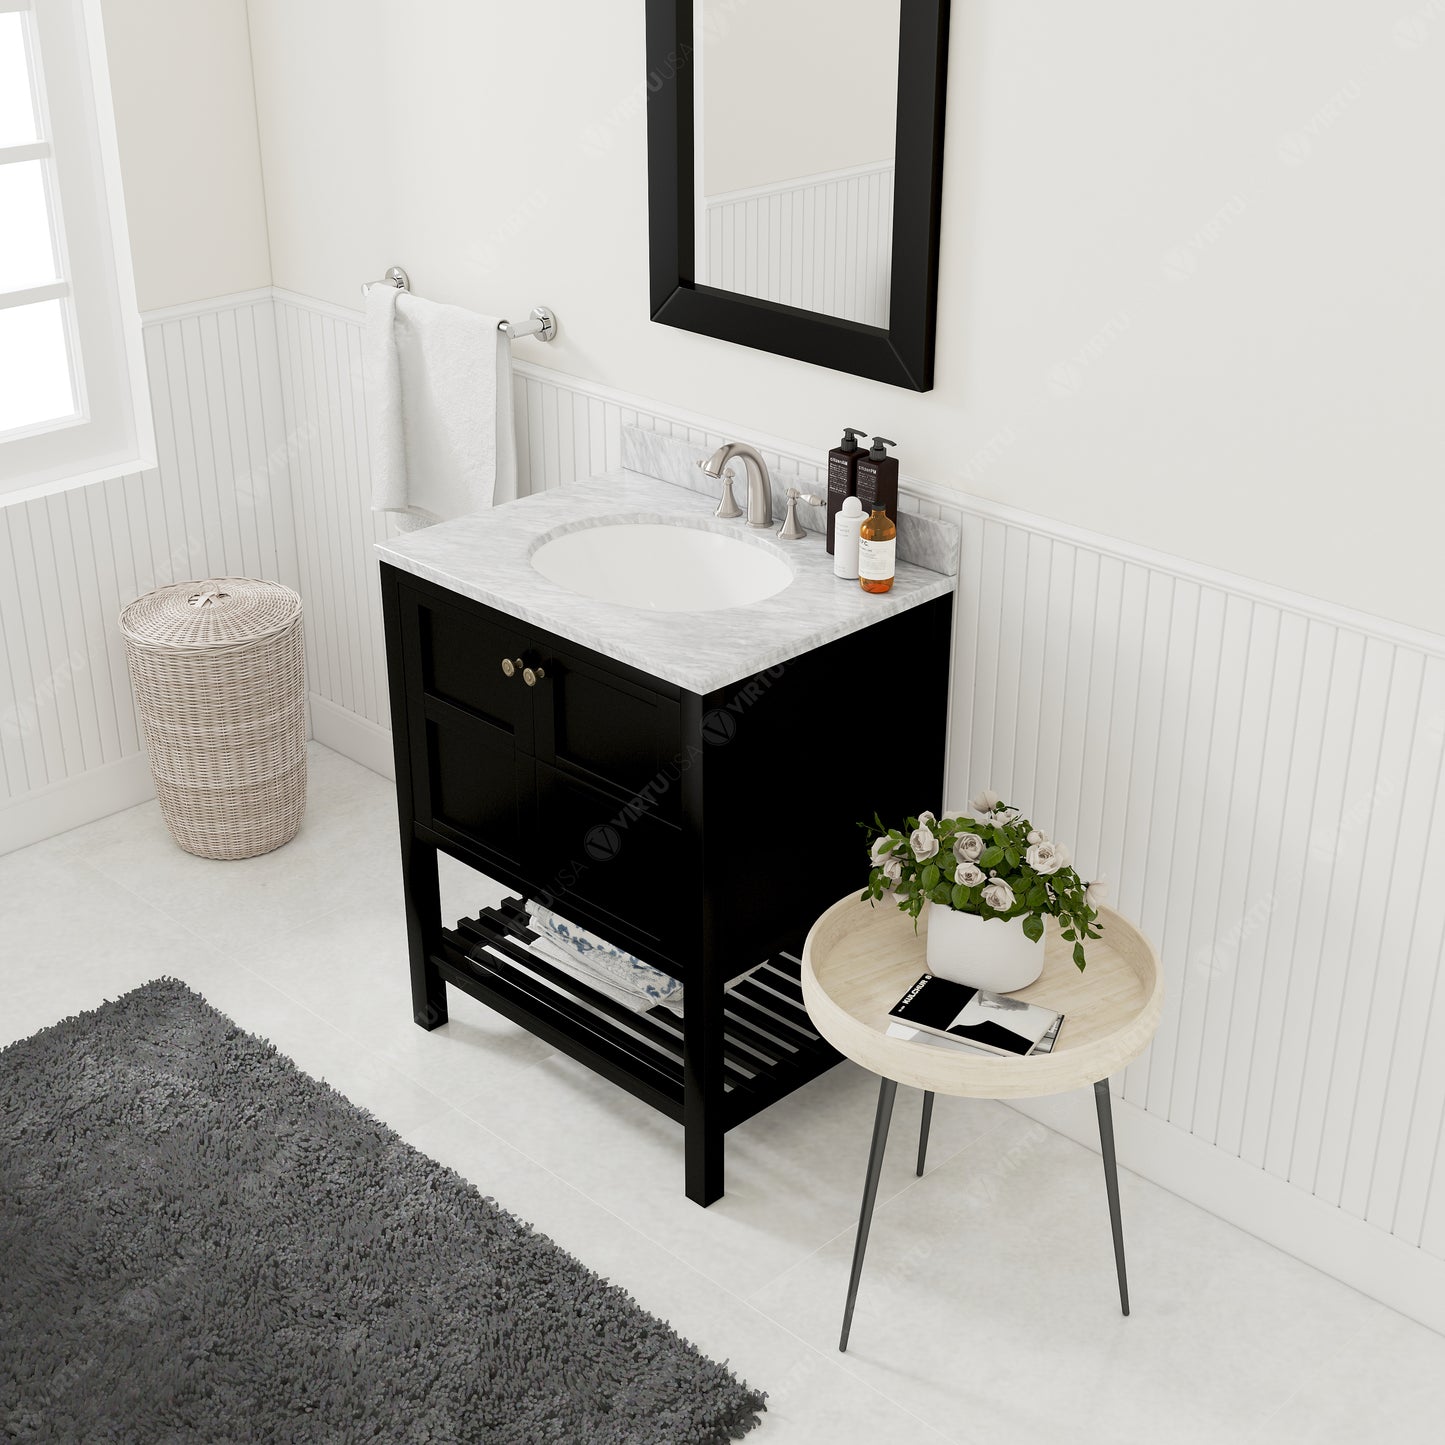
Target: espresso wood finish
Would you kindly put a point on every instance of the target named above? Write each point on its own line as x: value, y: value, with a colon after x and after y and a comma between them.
x: 702, y: 833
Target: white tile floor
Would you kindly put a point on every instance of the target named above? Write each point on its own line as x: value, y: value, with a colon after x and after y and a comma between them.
x: 988, y: 1310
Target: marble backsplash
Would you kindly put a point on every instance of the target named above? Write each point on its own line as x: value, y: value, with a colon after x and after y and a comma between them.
x: 926, y: 541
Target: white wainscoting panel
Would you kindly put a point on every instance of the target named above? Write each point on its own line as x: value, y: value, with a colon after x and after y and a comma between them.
x: 218, y: 503
x: 1264, y: 785
x: 824, y: 243
x: 325, y: 408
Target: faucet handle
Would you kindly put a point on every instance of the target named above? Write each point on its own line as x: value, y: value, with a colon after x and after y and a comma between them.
x: 728, y: 506
x: 791, y: 530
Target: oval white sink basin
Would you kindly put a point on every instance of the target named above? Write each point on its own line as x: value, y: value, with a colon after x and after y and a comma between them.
x: 662, y: 568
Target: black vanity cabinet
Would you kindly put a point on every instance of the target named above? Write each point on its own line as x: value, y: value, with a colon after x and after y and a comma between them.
x: 704, y: 833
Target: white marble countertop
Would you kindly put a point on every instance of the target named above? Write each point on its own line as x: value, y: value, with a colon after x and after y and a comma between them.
x: 487, y: 557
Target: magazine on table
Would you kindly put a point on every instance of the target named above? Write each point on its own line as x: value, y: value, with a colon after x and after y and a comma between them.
x: 957, y: 1046
x: 991, y: 1023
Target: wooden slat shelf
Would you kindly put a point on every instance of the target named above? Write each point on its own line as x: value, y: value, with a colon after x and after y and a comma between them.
x: 769, y: 1046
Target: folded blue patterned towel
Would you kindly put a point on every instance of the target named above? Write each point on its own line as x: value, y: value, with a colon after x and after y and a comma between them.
x: 605, y: 959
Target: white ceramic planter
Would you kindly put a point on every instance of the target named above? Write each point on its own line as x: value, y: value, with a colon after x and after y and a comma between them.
x: 991, y: 953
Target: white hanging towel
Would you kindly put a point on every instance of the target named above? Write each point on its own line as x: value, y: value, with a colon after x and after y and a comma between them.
x: 439, y: 409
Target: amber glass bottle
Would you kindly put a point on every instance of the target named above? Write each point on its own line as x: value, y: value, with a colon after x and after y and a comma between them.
x: 877, y: 539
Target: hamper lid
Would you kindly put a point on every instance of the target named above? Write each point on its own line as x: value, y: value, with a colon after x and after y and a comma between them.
x: 213, y: 613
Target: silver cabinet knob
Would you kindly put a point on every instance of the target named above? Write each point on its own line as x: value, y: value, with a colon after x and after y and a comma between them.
x: 509, y: 668
x: 533, y: 675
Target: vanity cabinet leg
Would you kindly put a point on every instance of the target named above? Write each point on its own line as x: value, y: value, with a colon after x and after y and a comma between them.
x: 420, y: 883
x: 423, y: 927
x: 703, y: 1094
x: 704, y: 1150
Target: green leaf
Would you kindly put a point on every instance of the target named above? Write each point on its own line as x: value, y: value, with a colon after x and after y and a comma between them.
x: 1033, y: 927
x: 1010, y: 857
x: 959, y: 895
x: 1079, y: 956
x: 1038, y: 896
x: 930, y: 876
x: 942, y: 893
x: 1070, y: 934
x: 991, y: 858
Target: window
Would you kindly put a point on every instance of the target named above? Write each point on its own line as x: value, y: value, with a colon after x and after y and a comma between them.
x: 73, y: 401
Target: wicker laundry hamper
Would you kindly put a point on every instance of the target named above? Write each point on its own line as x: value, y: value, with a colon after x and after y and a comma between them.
x: 219, y: 676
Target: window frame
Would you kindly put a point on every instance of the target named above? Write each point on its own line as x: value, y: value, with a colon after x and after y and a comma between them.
x: 111, y: 432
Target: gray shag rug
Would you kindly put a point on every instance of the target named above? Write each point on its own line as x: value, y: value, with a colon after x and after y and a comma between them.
x: 200, y: 1243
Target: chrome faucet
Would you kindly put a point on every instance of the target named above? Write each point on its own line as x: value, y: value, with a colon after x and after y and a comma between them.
x: 760, y: 486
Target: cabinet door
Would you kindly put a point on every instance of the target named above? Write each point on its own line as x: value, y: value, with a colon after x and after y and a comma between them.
x: 611, y: 867
x: 611, y: 727
x: 459, y: 652
x: 478, y: 786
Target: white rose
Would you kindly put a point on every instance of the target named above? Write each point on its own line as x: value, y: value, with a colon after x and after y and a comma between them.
x: 1045, y: 858
x: 1037, y: 835
x: 923, y: 843
x: 926, y: 820
x: 882, y: 847
x: 999, y: 896
x: 986, y: 801
x: 1066, y: 858
x: 970, y: 875
x: 968, y: 847
x: 1096, y: 893
x: 893, y: 871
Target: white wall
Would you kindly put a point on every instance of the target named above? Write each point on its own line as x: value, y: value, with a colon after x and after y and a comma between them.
x: 190, y: 162
x: 1191, y: 255
x: 794, y: 88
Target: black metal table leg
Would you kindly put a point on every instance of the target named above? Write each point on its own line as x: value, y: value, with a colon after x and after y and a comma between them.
x: 923, y: 1130
x: 1111, y: 1181
x: 886, y: 1091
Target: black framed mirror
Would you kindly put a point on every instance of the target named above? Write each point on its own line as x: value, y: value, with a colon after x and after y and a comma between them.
x: 795, y: 175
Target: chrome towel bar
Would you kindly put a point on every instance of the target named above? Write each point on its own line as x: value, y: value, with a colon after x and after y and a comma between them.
x: 542, y: 323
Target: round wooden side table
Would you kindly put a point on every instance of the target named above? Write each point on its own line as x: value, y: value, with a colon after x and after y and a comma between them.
x: 859, y: 960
